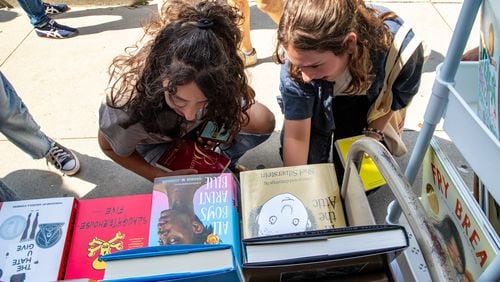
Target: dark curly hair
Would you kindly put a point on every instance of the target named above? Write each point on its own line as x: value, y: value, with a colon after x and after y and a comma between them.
x: 323, y: 25
x: 191, y: 41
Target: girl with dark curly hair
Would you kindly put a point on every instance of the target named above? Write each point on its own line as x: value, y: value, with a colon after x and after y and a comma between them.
x: 186, y: 72
x: 347, y: 69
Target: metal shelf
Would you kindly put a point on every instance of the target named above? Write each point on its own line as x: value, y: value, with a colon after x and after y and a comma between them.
x: 470, y: 135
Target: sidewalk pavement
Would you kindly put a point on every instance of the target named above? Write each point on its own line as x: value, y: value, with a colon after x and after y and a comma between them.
x: 62, y: 82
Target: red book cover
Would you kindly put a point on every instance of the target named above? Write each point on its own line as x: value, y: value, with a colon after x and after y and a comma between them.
x: 185, y: 153
x: 104, y: 226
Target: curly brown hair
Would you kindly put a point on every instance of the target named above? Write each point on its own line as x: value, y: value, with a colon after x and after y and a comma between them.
x: 322, y: 25
x: 191, y: 41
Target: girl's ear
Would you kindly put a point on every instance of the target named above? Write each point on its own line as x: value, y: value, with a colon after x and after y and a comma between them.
x: 350, y: 41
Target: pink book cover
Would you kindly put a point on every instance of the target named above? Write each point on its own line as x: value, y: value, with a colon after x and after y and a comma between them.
x: 104, y: 226
x: 196, y: 209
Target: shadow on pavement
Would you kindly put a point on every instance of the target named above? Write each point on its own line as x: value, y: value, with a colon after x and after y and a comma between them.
x: 97, y: 178
x: 122, y: 12
x: 6, y: 15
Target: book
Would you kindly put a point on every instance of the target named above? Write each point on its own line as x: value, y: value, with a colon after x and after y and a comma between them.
x: 464, y: 231
x: 489, y: 66
x: 105, y: 226
x: 195, y: 262
x: 185, y: 153
x: 372, y: 268
x: 322, y: 245
x: 34, y: 238
x: 196, y: 209
x: 368, y: 172
x: 290, y: 199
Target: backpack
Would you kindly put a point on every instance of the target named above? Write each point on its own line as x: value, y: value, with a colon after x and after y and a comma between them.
x: 382, y: 105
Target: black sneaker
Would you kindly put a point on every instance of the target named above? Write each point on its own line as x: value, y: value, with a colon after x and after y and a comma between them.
x: 63, y: 159
x: 52, y: 29
x: 54, y: 9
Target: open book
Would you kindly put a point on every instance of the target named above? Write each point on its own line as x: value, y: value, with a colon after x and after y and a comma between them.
x: 186, y: 153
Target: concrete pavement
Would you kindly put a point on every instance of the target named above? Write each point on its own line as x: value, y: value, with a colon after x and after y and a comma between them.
x: 63, y: 81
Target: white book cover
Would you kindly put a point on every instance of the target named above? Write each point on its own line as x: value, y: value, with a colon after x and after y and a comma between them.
x: 33, y: 235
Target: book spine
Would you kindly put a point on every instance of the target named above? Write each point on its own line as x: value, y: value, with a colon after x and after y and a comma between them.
x: 67, y: 242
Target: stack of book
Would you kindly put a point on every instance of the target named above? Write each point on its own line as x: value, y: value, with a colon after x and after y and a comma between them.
x: 288, y: 222
x: 294, y: 228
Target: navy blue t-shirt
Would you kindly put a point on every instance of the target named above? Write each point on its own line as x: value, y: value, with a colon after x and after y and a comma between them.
x: 317, y: 101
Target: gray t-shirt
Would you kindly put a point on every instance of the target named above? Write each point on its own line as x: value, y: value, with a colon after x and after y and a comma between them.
x: 123, y: 141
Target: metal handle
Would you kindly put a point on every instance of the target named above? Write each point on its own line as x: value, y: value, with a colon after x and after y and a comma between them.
x: 439, y: 265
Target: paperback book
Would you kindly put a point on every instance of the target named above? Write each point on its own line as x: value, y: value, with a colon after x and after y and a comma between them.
x: 196, y: 209
x: 368, y: 172
x: 464, y: 231
x: 34, y: 238
x: 105, y: 226
x: 290, y: 199
x: 186, y: 153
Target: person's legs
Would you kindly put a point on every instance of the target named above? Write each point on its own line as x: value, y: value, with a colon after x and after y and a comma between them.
x: 44, y: 25
x: 273, y: 8
x: 242, y: 6
x: 54, y: 9
x: 259, y: 129
x: 247, y: 52
x: 35, y: 11
x: 17, y: 124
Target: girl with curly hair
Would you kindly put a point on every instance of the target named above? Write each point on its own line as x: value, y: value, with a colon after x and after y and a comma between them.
x: 187, y: 72
x: 337, y: 60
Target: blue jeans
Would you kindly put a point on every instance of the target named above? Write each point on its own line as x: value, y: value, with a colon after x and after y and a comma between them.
x: 17, y: 124
x: 243, y: 143
x: 35, y: 11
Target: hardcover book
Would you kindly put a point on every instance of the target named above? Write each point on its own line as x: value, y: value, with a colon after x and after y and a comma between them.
x: 195, y: 262
x: 34, y: 238
x: 185, y: 153
x: 331, y: 244
x: 489, y: 68
x: 196, y: 209
x: 465, y: 232
x: 290, y: 199
x: 334, y: 254
x: 105, y: 226
x: 368, y: 172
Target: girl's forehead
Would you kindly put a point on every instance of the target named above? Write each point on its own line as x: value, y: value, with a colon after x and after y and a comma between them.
x: 189, y: 91
x: 304, y: 58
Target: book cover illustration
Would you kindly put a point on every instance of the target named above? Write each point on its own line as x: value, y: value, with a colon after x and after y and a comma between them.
x: 369, y: 173
x: 195, y: 209
x: 489, y: 69
x: 466, y: 235
x: 33, y: 238
x: 290, y: 199
x: 105, y: 226
x: 186, y: 153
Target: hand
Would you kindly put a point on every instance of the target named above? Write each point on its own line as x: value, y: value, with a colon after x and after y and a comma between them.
x: 207, y: 144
